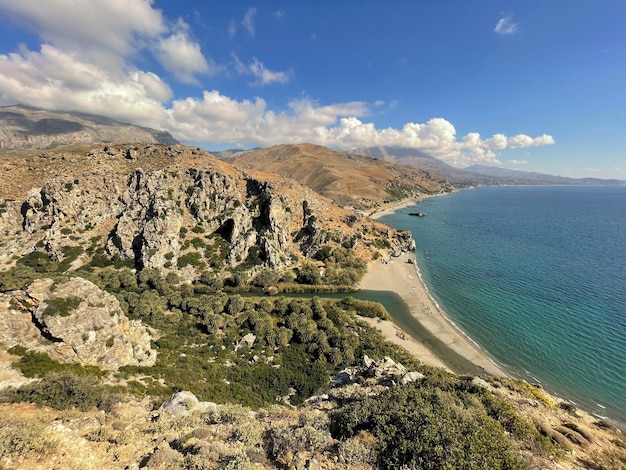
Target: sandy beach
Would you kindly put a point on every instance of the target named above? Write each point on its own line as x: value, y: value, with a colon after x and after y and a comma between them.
x: 394, y: 206
x: 400, y: 276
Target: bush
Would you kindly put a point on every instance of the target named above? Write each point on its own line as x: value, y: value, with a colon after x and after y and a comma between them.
x: 427, y: 428
x: 22, y: 437
x: 61, y: 306
x: 62, y: 392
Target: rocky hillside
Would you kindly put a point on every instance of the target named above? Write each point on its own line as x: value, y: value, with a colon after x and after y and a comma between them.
x: 366, y: 419
x: 131, y: 272
x: 172, y: 208
x: 349, y: 180
x: 24, y: 127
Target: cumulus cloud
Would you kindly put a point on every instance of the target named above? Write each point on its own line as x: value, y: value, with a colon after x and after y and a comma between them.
x: 53, y: 79
x: 108, y: 32
x: 181, y: 56
x: 105, y: 32
x: 506, y: 25
x: 66, y: 72
x: 517, y: 162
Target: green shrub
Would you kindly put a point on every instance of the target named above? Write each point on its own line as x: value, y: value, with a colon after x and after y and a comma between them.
x: 62, y: 306
x: 192, y: 258
x: 427, y: 428
x: 62, y: 392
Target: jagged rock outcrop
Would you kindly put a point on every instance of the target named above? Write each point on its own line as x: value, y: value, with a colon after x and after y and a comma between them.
x: 149, y: 224
x: 177, y: 208
x: 63, y: 203
x: 84, y: 325
x: 384, y: 372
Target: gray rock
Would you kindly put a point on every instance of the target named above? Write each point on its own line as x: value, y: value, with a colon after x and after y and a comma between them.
x: 384, y: 372
x: 247, y: 341
x: 87, y: 325
x: 184, y: 403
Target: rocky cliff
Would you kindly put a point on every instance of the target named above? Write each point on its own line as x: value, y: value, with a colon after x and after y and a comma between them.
x: 173, y: 208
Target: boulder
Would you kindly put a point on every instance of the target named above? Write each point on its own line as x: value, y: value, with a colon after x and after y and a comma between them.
x: 383, y: 372
x: 184, y: 403
x: 86, y: 325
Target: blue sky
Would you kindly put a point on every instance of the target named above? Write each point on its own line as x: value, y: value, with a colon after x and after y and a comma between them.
x: 538, y: 85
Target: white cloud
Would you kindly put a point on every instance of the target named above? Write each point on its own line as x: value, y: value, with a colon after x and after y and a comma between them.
x: 109, y: 32
x: 54, y: 79
x: 517, y: 162
x: 106, y: 31
x: 155, y: 88
x: 181, y: 56
x: 248, y: 21
x: 263, y: 75
x: 278, y: 14
x: 505, y: 25
x: 67, y: 73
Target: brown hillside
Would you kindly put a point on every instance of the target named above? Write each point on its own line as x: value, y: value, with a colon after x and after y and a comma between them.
x: 349, y: 180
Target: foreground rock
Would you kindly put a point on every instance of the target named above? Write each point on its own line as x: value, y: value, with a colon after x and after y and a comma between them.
x: 383, y: 372
x: 82, y: 323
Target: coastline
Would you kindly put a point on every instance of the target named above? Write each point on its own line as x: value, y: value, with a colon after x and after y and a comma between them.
x: 401, y: 276
x: 402, y: 203
x: 391, y: 208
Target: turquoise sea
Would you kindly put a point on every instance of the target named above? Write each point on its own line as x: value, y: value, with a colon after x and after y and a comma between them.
x: 537, y: 277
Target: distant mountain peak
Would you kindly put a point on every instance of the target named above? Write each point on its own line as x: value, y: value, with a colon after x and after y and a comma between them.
x: 27, y: 127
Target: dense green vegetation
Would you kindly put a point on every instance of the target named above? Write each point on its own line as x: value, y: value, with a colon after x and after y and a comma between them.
x: 443, y: 423
x: 292, y: 348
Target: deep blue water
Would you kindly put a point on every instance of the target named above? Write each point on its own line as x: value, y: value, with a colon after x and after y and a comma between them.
x: 537, y: 277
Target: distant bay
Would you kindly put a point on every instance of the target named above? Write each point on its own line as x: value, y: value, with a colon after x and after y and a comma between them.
x: 537, y: 277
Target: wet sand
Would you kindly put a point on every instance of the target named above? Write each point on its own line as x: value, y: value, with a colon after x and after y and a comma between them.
x: 400, y: 276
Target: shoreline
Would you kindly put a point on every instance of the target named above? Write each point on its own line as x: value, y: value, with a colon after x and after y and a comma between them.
x: 401, y: 275
x: 403, y: 203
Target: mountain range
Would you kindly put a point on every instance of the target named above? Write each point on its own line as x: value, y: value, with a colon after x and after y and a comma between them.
x: 475, y: 175
x: 25, y: 127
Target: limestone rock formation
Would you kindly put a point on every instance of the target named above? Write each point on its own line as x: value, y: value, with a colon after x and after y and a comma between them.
x: 84, y: 325
x: 149, y: 223
x: 384, y: 372
x: 174, y: 208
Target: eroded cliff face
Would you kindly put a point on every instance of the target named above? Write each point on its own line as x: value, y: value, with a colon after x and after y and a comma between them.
x: 74, y: 322
x: 178, y: 208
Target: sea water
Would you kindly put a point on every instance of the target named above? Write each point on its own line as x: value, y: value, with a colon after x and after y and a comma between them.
x: 537, y: 277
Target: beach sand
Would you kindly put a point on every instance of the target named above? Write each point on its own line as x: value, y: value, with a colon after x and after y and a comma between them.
x: 400, y: 276
x: 394, y: 206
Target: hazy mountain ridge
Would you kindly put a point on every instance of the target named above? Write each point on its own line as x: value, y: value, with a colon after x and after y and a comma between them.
x: 528, y: 177
x: 425, y: 162
x: 475, y: 175
x: 25, y: 127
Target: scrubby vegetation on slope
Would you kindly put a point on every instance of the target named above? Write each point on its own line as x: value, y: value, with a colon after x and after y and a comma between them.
x: 263, y: 362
